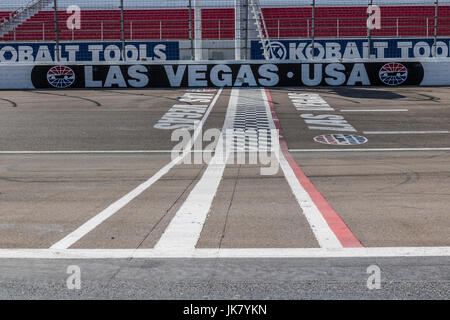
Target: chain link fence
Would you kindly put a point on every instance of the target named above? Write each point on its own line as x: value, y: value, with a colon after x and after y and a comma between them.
x: 217, y: 29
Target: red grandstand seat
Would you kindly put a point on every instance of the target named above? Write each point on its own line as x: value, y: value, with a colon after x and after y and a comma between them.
x: 218, y: 23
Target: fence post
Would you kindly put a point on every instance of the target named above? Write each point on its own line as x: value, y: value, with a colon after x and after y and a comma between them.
x: 436, y: 12
x: 369, y: 33
x: 237, y: 29
x: 307, y: 28
x: 338, y: 26
x: 122, y: 31
x: 313, y: 27
x: 55, y: 8
x: 191, y: 30
x: 246, y: 31
x: 131, y: 30
x: 198, y: 43
x: 279, y: 31
x: 398, y: 31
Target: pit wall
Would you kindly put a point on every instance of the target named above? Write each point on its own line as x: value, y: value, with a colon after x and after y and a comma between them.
x: 282, y: 49
x: 183, y: 74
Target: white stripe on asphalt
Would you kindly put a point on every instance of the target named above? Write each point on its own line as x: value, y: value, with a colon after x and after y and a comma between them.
x: 87, y: 227
x: 184, y: 230
x: 389, y: 252
x: 208, y: 151
x: 370, y: 150
x: 320, y: 228
x: 406, y: 132
x: 374, y: 110
x: 95, y: 152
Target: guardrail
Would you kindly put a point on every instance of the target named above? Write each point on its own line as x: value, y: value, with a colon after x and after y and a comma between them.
x: 223, y: 29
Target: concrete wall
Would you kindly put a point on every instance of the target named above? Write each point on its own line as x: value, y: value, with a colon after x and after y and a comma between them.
x: 227, y: 73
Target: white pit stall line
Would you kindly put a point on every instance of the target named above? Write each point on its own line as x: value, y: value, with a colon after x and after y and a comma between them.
x: 258, y: 253
x: 320, y: 228
x: 369, y: 150
x: 406, y: 132
x: 184, y: 230
x: 87, y: 152
x: 374, y: 110
x: 91, y: 224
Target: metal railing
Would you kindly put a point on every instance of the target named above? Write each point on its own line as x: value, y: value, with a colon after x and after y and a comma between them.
x: 303, y: 21
x: 223, y: 29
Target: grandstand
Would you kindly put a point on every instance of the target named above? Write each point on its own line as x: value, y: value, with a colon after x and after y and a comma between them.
x: 144, y: 20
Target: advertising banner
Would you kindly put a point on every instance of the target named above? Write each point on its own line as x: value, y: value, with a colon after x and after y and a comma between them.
x: 90, y: 52
x: 352, y: 49
x: 227, y: 75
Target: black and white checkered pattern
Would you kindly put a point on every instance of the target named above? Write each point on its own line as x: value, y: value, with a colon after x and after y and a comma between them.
x: 251, y: 130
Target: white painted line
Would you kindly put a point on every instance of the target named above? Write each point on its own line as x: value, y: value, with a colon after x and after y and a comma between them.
x: 406, y: 132
x: 320, y: 228
x: 324, y: 235
x: 370, y: 150
x: 95, y: 152
x: 87, y: 227
x: 374, y: 110
x: 184, y: 230
x: 257, y: 253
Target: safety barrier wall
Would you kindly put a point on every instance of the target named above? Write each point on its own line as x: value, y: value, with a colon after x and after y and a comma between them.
x: 72, y: 52
x: 426, y: 72
x: 357, y: 48
x: 111, y: 52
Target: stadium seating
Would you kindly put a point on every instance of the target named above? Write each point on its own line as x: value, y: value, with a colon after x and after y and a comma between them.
x: 219, y: 23
x: 4, y: 16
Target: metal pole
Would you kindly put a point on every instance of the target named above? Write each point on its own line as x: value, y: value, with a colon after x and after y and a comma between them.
x: 237, y: 29
x: 191, y: 30
x: 313, y: 26
x: 338, y: 26
x: 246, y: 31
x: 398, y: 31
x: 57, y: 53
x: 122, y: 31
x: 369, y: 35
x: 198, y: 30
x: 436, y: 12
x: 278, y: 30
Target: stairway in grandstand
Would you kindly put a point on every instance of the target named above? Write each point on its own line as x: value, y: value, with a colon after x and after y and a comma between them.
x: 261, y: 28
x: 22, y: 15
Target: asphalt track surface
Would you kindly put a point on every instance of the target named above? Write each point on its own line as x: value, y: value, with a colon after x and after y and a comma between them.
x: 87, y: 179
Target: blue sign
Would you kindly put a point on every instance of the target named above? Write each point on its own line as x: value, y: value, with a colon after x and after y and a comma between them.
x: 89, y: 52
x: 352, y: 49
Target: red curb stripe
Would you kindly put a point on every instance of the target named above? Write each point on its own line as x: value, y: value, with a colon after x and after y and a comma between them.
x: 334, y: 221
